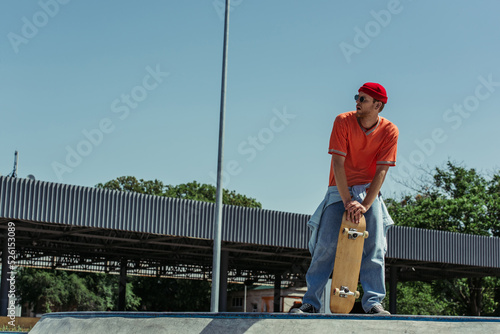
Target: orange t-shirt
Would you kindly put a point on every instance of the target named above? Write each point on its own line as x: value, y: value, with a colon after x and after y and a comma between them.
x: 363, y: 149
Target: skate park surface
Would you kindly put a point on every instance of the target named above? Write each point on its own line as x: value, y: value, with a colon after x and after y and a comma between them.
x: 259, y: 323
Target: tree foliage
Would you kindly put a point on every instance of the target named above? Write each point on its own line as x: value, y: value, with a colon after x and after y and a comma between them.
x: 192, y: 190
x: 454, y: 199
x: 449, y: 297
x: 48, y: 291
x: 57, y: 290
x: 417, y: 298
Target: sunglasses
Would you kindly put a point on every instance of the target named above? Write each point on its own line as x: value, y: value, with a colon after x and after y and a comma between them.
x: 360, y: 98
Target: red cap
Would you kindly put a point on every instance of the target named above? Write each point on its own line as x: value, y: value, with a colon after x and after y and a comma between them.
x: 375, y: 90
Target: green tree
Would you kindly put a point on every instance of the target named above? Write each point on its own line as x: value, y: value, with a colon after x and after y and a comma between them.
x: 58, y: 290
x: 417, y: 298
x: 130, y: 183
x: 106, y: 287
x: 456, y: 199
x: 192, y: 190
x: 49, y: 291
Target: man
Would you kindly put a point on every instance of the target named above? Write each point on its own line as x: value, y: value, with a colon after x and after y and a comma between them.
x: 363, y: 147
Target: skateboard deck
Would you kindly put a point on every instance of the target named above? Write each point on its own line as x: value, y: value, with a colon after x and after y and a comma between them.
x: 347, y: 265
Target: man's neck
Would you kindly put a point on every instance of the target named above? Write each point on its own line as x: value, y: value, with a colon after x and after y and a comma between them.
x: 368, y: 122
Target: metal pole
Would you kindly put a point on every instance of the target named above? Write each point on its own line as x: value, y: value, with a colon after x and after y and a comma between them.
x: 393, y: 292
x: 245, y: 300
x: 122, y: 286
x: 214, y: 306
x: 16, y: 158
x: 277, y: 294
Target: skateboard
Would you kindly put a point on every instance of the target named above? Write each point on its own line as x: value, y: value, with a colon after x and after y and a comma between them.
x: 347, y: 265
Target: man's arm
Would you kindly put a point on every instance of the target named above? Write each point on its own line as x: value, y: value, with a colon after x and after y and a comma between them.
x: 341, y: 178
x: 353, y: 208
x: 375, y: 186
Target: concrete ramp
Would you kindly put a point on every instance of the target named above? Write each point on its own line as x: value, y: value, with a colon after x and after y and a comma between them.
x: 255, y: 323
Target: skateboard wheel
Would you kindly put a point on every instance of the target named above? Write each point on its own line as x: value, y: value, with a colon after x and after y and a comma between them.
x: 365, y: 234
x: 356, y: 294
x: 336, y: 291
x: 346, y: 230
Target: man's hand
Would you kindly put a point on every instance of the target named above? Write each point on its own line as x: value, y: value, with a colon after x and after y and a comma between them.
x: 354, y: 211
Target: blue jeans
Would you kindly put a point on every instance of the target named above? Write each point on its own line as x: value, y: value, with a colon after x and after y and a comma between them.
x: 372, y: 274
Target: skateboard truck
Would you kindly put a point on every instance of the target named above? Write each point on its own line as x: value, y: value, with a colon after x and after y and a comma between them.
x: 353, y: 233
x: 344, y: 292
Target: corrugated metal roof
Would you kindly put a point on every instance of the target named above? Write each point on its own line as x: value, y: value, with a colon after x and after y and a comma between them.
x: 443, y: 247
x: 39, y: 201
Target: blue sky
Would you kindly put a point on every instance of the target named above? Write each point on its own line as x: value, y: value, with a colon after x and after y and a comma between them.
x: 92, y: 90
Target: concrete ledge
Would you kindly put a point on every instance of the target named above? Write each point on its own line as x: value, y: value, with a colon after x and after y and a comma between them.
x: 258, y: 323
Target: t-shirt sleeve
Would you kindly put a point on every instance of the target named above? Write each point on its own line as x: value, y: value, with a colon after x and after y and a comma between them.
x: 387, y: 154
x: 338, y: 138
